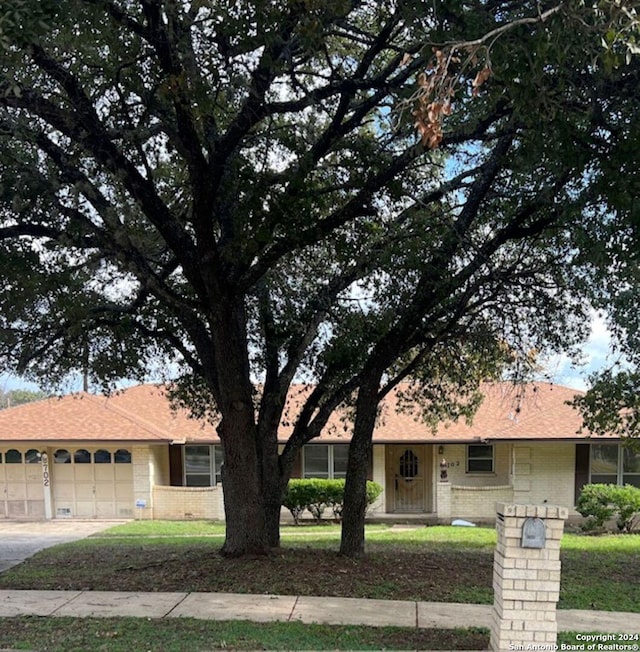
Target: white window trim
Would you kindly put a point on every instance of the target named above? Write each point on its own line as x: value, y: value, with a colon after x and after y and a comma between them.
x: 330, y: 461
x: 620, y: 473
x: 478, y: 472
x: 214, y: 451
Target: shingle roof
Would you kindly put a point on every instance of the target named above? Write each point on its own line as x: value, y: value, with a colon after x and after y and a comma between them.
x: 537, y: 412
x: 143, y: 413
x: 76, y: 417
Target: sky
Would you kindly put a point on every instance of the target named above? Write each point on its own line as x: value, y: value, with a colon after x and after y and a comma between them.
x: 596, y: 356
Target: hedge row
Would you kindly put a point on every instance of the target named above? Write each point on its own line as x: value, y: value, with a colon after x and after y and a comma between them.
x: 317, y: 495
x: 599, y: 503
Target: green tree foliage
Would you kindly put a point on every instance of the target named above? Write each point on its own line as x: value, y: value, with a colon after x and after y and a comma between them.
x: 15, y: 397
x: 224, y: 193
x: 612, y: 404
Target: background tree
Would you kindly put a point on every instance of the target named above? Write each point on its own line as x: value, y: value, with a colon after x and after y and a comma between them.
x: 14, y: 397
x: 226, y: 191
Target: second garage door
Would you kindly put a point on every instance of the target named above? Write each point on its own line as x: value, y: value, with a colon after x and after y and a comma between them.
x: 92, y: 483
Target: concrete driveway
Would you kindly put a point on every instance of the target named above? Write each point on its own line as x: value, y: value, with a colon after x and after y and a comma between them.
x: 21, y: 539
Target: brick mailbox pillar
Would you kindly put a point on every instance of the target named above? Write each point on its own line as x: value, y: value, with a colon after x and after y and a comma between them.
x: 526, y: 576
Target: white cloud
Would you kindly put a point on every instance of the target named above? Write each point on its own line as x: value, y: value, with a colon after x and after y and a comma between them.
x: 596, y: 355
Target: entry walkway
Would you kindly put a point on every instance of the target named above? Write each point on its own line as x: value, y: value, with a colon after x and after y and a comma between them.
x: 21, y: 539
x: 306, y: 609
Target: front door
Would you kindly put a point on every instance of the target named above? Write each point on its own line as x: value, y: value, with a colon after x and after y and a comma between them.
x: 407, y: 475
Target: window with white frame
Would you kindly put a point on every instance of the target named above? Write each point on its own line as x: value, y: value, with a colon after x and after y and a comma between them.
x: 202, y: 464
x: 325, y: 461
x: 614, y: 464
x: 480, y: 458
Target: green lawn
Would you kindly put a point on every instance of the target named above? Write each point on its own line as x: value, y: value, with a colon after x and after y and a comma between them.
x: 598, y: 572
x: 458, y: 537
x: 427, y: 563
x: 190, y: 635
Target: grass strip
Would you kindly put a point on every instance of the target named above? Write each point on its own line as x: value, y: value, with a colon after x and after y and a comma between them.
x: 190, y: 635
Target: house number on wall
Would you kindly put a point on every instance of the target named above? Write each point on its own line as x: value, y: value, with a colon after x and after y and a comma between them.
x: 450, y: 465
x: 44, y: 460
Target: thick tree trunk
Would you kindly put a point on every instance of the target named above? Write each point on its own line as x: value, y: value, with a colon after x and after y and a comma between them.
x: 241, y: 473
x: 273, y: 399
x: 272, y: 523
x: 243, y: 505
x: 355, y: 490
x: 271, y: 490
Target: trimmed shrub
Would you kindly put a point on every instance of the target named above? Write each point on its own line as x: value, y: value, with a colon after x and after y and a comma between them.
x: 596, y: 505
x: 373, y: 492
x: 319, y: 498
x: 627, y: 502
x: 316, y: 495
x: 300, y: 494
x: 599, y: 503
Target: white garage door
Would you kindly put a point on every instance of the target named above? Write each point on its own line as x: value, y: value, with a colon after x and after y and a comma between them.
x: 92, y: 483
x: 21, y: 485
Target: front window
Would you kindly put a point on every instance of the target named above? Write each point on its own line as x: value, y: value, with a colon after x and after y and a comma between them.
x: 340, y: 454
x: 614, y: 464
x: 325, y: 461
x: 630, y: 466
x: 604, y: 463
x: 202, y: 465
x: 480, y: 458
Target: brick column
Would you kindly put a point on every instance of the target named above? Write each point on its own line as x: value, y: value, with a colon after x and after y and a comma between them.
x: 443, y: 500
x: 526, y: 580
x: 142, y: 467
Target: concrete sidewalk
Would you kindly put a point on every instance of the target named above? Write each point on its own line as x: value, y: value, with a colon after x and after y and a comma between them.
x: 306, y: 609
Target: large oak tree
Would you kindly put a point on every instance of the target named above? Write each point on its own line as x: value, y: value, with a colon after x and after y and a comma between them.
x: 238, y: 191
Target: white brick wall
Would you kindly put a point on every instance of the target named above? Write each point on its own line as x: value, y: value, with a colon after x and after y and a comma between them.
x: 160, y: 465
x: 478, y: 502
x: 143, y: 468
x: 178, y: 503
x: 544, y: 473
